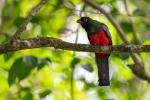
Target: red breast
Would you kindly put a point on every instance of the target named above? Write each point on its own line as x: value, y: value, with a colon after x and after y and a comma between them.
x: 100, y: 39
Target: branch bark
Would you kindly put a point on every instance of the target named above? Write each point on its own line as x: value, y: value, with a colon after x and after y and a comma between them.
x: 59, y: 44
x: 138, y: 64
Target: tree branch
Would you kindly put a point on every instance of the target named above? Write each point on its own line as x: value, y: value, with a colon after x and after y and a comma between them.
x: 138, y: 64
x: 28, y: 19
x: 59, y: 44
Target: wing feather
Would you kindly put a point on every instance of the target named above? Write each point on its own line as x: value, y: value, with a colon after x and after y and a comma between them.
x: 106, y: 30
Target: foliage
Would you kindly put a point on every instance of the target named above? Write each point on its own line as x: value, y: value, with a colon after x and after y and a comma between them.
x: 45, y: 73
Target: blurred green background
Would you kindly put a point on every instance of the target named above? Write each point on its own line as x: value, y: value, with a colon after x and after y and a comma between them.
x: 50, y: 74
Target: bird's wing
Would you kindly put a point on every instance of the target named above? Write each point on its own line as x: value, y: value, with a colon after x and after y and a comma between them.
x: 106, y: 30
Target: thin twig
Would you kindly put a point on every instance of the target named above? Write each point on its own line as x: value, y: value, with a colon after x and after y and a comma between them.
x: 138, y: 63
x: 28, y: 19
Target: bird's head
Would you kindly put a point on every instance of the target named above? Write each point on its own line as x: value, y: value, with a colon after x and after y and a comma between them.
x: 84, y: 21
x: 90, y: 25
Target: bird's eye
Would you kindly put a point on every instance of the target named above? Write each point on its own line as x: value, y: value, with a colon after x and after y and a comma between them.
x: 85, y: 19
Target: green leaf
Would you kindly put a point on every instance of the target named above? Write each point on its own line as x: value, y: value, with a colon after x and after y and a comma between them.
x: 28, y: 96
x: 124, y: 56
x: 18, y: 21
x: 23, y: 66
x: 21, y: 69
x: 74, y: 62
x: 42, y: 62
x: 25, y: 93
x: 26, y: 89
x: 126, y: 26
x: 44, y: 93
x: 139, y: 12
x: 30, y: 60
x: 88, y: 86
x: 114, y: 11
x: 8, y: 55
x: 35, y: 19
x: 88, y: 67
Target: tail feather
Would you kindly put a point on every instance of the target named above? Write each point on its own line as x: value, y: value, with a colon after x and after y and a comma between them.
x: 103, y: 71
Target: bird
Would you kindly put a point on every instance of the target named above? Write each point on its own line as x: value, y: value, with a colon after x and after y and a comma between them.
x: 98, y: 35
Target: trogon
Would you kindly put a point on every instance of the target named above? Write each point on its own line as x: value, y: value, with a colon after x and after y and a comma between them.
x: 99, y: 35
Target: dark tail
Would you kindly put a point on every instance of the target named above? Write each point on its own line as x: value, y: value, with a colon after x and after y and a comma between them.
x: 103, y: 71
